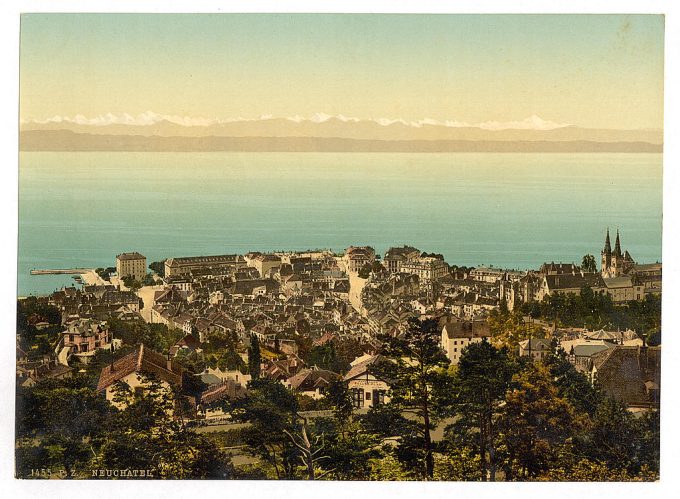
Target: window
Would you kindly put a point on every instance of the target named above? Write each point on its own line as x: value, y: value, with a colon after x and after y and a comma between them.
x: 368, y: 395
x: 378, y: 397
x: 357, y: 397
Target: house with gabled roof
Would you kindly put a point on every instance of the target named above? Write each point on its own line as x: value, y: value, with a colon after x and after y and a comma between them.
x: 312, y: 382
x: 535, y: 348
x: 365, y: 388
x: 134, y: 368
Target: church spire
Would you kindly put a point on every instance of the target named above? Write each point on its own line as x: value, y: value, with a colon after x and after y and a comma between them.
x: 607, y: 245
x: 617, y: 246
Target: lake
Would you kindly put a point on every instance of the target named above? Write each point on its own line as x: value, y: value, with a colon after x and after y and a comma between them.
x: 509, y: 210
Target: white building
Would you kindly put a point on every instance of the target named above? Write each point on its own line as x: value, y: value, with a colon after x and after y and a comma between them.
x: 457, y: 335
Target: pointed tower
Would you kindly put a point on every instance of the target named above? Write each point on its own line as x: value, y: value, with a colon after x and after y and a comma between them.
x: 617, y: 246
x: 606, y: 256
x: 607, y: 244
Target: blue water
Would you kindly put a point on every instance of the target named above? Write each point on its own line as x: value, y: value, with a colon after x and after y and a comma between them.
x: 509, y: 210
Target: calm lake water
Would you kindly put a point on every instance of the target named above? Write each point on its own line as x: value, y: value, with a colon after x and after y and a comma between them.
x: 509, y: 210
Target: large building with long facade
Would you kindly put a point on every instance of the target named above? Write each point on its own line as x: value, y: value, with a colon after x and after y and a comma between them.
x: 426, y: 268
x: 186, y: 264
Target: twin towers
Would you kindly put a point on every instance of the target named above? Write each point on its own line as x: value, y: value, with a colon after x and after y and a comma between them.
x: 615, y: 263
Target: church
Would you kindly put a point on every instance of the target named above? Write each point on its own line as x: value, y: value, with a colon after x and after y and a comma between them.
x: 615, y: 263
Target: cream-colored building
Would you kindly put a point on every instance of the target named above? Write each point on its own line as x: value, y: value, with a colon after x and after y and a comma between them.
x: 487, y: 274
x: 131, y: 264
x: 265, y: 264
x: 623, y: 289
x: 358, y: 256
x: 459, y: 334
x: 427, y: 269
x: 364, y: 387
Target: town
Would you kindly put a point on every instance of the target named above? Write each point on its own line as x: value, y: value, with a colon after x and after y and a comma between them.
x: 352, y: 365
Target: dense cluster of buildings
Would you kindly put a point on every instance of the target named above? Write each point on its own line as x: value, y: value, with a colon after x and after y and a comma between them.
x: 287, y: 299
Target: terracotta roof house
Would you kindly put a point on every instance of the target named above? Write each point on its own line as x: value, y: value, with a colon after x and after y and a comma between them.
x: 283, y: 369
x: 129, y: 370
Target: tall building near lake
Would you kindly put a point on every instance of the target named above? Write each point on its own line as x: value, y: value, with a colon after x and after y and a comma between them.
x: 131, y: 264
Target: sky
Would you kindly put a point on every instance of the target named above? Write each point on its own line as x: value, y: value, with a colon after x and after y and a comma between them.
x: 596, y: 71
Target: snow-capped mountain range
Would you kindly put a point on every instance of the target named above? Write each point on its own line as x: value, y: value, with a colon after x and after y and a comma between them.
x: 322, y: 132
x: 149, y: 118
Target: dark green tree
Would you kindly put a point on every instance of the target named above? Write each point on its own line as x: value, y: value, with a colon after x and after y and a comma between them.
x: 365, y: 271
x: 619, y: 440
x: 158, y: 268
x: 481, y: 381
x: 571, y: 384
x: 57, y: 419
x: 588, y: 263
x: 270, y: 409
x: 418, y: 380
x: 148, y: 434
x: 254, y: 358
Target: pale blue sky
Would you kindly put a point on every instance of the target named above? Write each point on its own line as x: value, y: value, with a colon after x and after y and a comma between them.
x: 589, y: 70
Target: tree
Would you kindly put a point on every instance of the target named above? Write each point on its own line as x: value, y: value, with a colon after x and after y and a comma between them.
x: 146, y: 434
x: 365, y: 271
x: 103, y: 273
x: 377, y: 268
x: 271, y: 410
x: 418, y: 381
x: 311, y: 451
x: 131, y: 283
x: 535, y: 423
x: 326, y: 357
x: 155, y: 336
x: 58, y: 418
x: 571, y: 384
x: 148, y: 280
x: 158, y: 268
x: 620, y: 441
x: 588, y: 263
x: 254, y: 358
x: 481, y: 380
x: 348, y: 448
x: 509, y: 329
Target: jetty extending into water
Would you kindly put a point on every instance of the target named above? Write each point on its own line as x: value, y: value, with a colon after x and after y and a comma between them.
x: 60, y: 271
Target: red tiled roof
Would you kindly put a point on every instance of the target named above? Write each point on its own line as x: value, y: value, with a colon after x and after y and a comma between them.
x: 140, y: 360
